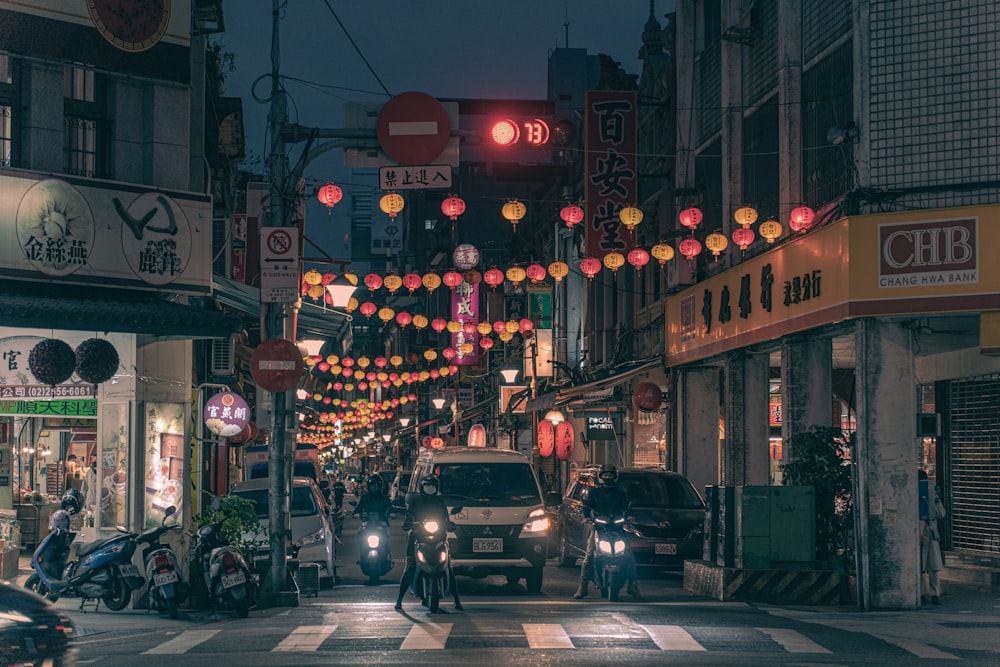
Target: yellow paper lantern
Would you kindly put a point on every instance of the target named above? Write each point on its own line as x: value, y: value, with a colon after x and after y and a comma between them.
x: 392, y: 283
x: 513, y: 211
x: 745, y: 215
x: 454, y: 326
x: 484, y: 328
x: 716, y: 242
x: 364, y: 362
x: 419, y: 321
x: 431, y: 281
x: 466, y: 348
x: 516, y: 274
x: 312, y: 277
x: 396, y: 360
x: 614, y: 260
x: 386, y: 314
x: 558, y: 270
x: 315, y: 291
x: 770, y: 230
x: 630, y: 216
x: 505, y: 336
x: 333, y: 359
x: 430, y: 355
x: 512, y: 326
x: 662, y: 252
x: 391, y: 204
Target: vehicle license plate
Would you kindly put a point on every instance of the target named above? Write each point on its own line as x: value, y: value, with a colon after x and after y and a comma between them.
x: 234, y: 579
x: 669, y: 549
x: 164, y: 578
x: 128, y: 570
x: 487, y: 545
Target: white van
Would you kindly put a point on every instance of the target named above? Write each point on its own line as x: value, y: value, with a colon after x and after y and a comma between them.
x: 502, y: 528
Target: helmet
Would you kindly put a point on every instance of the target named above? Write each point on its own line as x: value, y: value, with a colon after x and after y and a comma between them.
x: 429, y: 485
x: 374, y: 483
x: 72, y: 501
x: 608, y: 475
x: 59, y: 521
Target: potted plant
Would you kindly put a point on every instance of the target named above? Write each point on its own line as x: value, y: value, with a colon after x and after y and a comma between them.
x: 821, y: 458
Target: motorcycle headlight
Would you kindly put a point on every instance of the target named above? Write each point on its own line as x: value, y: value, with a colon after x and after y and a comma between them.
x: 431, y: 526
x: 604, y: 546
x: 373, y: 541
x: 420, y: 557
x: 311, y: 538
x: 537, y: 522
x: 619, y: 546
x: 444, y: 556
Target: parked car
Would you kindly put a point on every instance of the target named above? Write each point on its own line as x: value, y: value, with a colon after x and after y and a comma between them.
x: 665, y: 522
x: 397, y: 492
x: 312, y: 529
x: 33, y: 631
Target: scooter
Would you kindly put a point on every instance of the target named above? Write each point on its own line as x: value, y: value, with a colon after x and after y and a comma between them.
x: 373, y: 541
x: 167, y: 588
x: 611, y: 555
x: 226, y: 573
x: 103, y: 570
x: 432, y: 577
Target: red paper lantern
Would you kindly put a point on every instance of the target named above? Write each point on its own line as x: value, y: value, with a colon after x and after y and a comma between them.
x: 536, y: 273
x: 638, y: 258
x: 546, y: 437
x: 412, y: 281
x: 802, y: 219
x: 368, y: 308
x: 690, y: 248
x: 564, y: 440
x: 329, y: 195
x: 493, y: 277
x: 525, y: 326
x: 590, y: 266
x: 743, y: 237
x: 499, y: 326
x: 691, y: 217
x: 486, y: 343
x: 472, y: 277
x: 571, y: 214
x: 439, y: 324
x: 449, y: 353
x: 453, y: 207
x: 469, y: 328
x: 373, y: 281
x: 403, y: 318
x: 452, y: 368
x: 452, y: 279
x: 647, y: 397
x: 380, y: 362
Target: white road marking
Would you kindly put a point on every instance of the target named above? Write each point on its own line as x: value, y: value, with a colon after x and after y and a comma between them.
x: 546, y: 635
x: 183, y: 642
x: 305, y: 638
x: 413, y: 128
x: 424, y: 636
x: 792, y: 641
x: 672, y: 638
x: 920, y: 649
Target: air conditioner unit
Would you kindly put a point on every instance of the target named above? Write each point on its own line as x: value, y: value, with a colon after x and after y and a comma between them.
x: 220, y: 358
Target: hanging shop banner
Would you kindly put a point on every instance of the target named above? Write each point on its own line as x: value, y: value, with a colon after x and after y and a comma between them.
x: 603, y: 425
x: 226, y: 414
x: 465, y: 308
x: 611, y: 169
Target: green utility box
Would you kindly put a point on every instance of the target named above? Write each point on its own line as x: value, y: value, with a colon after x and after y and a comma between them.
x: 761, y: 527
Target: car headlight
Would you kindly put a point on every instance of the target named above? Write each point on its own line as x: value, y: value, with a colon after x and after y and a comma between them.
x: 311, y: 538
x: 604, y: 546
x: 537, y: 522
x: 373, y: 541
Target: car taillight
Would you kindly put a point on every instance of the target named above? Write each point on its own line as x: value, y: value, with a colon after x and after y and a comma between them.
x: 228, y: 561
x: 162, y: 561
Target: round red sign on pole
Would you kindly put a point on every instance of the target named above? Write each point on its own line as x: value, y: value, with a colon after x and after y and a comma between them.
x: 477, y: 436
x: 276, y: 365
x: 413, y: 128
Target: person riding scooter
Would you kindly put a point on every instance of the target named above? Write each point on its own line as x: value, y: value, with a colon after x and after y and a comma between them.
x: 375, y: 502
x: 428, y: 505
x: 606, y: 499
x: 338, y: 493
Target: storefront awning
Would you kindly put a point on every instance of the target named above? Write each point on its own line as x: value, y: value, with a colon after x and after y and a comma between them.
x: 312, y: 320
x: 38, y: 306
x: 622, y: 374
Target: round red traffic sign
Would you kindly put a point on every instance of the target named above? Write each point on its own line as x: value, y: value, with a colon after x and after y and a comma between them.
x: 276, y: 365
x: 413, y: 128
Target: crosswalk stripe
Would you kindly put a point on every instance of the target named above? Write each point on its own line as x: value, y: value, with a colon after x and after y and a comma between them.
x: 183, y: 642
x: 546, y: 635
x: 305, y: 638
x: 426, y: 636
x: 792, y: 641
x: 919, y: 649
x: 672, y: 638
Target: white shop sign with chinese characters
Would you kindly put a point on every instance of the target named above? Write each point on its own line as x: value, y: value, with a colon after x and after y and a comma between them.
x: 78, y: 231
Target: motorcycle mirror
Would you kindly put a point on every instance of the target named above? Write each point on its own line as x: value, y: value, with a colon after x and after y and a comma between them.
x: 169, y: 512
x: 216, y: 504
x: 456, y: 510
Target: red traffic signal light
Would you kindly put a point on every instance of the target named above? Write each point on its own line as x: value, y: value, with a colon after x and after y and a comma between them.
x: 533, y: 132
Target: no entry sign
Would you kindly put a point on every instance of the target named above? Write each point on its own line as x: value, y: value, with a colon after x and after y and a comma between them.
x: 276, y: 365
x: 413, y: 128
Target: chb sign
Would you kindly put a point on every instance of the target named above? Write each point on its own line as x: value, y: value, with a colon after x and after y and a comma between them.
x: 603, y: 425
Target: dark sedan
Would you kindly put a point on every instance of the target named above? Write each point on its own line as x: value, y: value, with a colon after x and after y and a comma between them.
x: 33, y: 631
x: 665, y: 521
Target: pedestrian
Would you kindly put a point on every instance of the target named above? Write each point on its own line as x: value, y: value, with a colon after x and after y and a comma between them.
x: 931, y: 563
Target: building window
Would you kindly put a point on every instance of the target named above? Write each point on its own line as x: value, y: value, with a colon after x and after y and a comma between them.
x: 87, y: 128
x: 8, y: 103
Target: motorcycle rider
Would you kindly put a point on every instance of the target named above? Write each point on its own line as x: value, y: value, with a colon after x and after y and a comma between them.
x: 428, y: 505
x: 338, y: 492
x: 374, y: 502
x: 604, y: 500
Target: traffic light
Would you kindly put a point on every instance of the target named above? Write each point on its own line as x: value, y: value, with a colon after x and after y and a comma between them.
x: 514, y: 132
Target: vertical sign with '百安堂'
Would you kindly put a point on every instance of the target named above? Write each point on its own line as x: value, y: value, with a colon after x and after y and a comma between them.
x: 611, y: 170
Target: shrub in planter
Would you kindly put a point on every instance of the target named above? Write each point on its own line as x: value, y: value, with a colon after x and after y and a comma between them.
x: 51, y: 361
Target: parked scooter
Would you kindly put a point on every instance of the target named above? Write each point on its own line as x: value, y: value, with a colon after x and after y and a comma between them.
x: 373, y: 542
x: 103, y: 570
x: 611, y: 555
x: 226, y: 573
x: 167, y: 588
x: 432, y: 578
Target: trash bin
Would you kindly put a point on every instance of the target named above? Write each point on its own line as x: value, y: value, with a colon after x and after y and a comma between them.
x: 308, y: 579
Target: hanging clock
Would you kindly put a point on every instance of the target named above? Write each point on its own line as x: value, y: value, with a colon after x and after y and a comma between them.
x: 130, y: 25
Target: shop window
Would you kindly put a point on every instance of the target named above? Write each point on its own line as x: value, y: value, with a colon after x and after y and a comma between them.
x: 87, y: 129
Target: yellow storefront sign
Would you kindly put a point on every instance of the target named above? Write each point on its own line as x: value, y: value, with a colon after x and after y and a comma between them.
x: 908, y: 263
